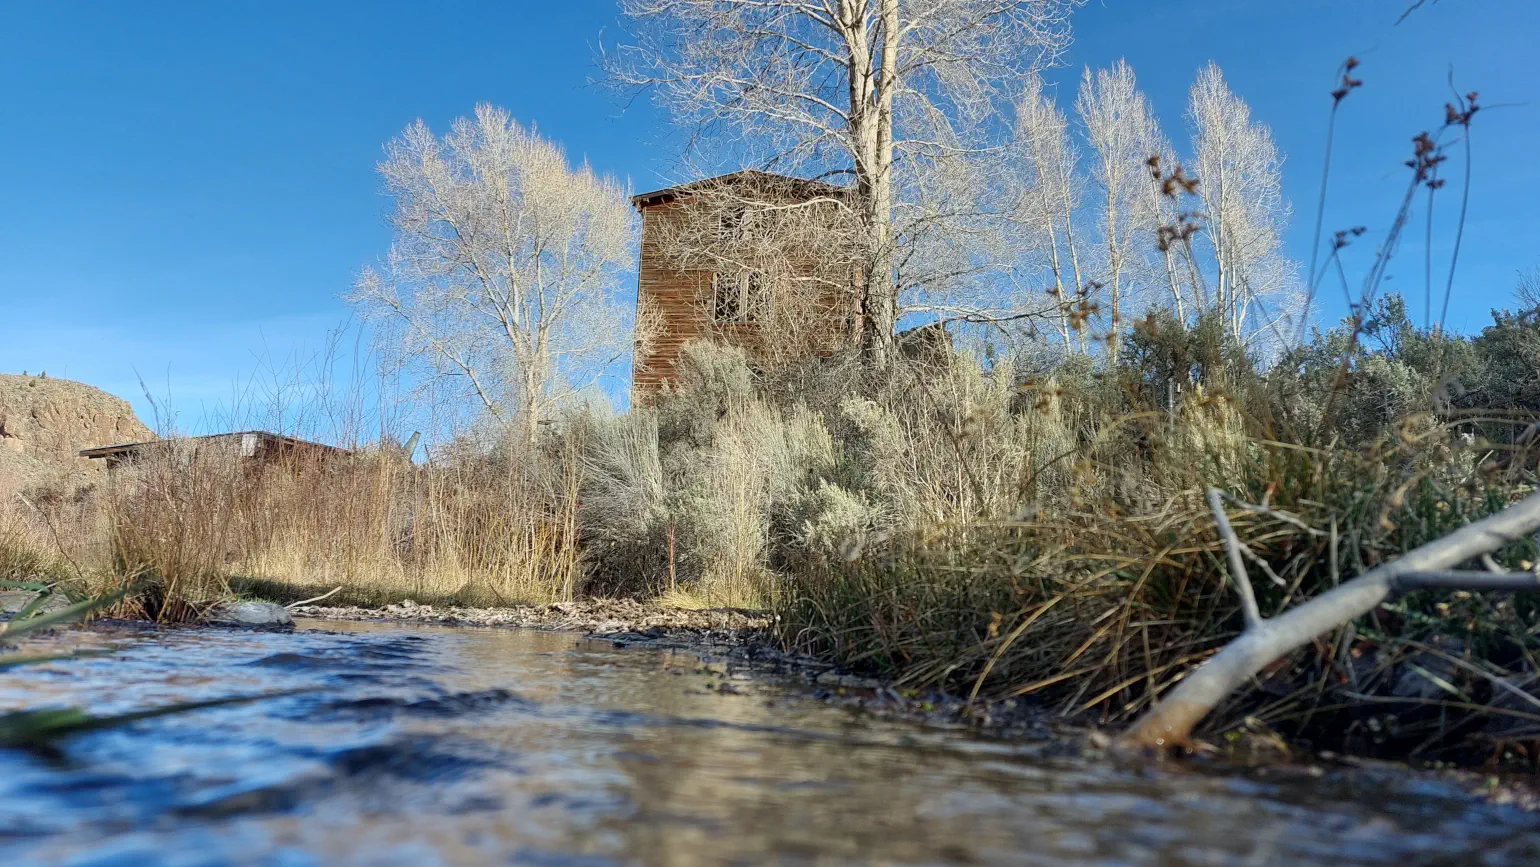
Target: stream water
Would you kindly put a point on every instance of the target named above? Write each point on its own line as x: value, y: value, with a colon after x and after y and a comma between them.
x: 431, y: 746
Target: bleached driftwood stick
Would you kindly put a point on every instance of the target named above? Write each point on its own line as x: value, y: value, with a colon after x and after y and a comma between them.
x: 1170, y: 722
x: 292, y: 605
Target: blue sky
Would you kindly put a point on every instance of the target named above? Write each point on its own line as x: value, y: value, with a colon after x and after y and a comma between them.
x: 186, y: 188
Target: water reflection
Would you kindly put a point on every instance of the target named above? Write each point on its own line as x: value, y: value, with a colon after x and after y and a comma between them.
x: 436, y: 746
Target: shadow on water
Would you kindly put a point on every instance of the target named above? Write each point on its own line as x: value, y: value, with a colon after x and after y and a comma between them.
x: 441, y: 746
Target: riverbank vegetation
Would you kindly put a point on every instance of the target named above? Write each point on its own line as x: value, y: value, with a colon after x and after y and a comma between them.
x: 1026, y: 498
x: 1034, y: 527
x: 202, y: 526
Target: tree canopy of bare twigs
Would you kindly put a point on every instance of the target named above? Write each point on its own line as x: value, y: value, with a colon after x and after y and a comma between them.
x: 1048, y: 189
x: 1122, y: 133
x: 505, y: 265
x: 903, y: 96
x: 1244, y: 212
x: 1111, y: 222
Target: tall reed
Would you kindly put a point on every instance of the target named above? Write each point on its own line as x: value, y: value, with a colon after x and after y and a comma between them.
x: 195, y: 516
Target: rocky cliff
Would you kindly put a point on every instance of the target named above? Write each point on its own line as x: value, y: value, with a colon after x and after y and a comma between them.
x: 44, y: 422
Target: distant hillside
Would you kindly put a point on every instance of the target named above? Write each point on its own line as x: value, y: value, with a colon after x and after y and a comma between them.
x: 44, y: 422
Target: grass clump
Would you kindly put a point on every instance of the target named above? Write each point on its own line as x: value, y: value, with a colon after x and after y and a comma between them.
x: 190, y: 525
x: 482, y: 528
x: 1098, y: 590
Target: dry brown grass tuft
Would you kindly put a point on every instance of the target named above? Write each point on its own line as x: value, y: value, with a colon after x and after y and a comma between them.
x: 1098, y: 609
x: 185, y: 521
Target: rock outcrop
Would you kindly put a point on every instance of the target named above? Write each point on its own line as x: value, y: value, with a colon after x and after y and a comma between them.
x: 45, y: 422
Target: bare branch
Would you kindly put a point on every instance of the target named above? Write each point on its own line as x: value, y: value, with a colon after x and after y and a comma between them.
x: 1465, y: 580
x: 1275, y: 514
x: 1416, y: 4
x: 1171, y: 721
x: 1238, y: 574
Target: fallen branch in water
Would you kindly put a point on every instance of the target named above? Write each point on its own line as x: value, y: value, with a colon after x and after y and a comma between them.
x: 293, y: 605
x: 1171, y: 721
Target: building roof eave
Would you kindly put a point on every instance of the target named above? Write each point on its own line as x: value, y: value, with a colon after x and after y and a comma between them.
x: 118, y: 449
x: 641, y: 201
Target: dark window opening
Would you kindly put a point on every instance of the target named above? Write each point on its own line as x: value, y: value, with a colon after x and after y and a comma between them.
x: 729, y: 224
x: 724, y: 290
x: 742, y: 298
x: 756, y: 297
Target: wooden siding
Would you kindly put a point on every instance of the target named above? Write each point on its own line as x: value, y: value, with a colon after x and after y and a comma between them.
x: 678, y: 304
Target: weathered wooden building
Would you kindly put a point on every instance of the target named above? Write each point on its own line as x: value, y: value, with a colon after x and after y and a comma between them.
x: 258, y: 448
x: 750, y: 259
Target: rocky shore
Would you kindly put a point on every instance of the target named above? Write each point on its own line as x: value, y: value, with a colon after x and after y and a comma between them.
x: 734, y: 645
x: 731, y: 643
x: 600, y: 618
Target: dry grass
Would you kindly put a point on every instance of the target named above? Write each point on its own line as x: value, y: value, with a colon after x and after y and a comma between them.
x: 26, y: 550
x: 382, y: 527
x: 1098, y: 603
x: 193, y: 524
x: 53, y: 534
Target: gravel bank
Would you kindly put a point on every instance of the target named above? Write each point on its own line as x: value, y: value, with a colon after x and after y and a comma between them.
x: 600, y: 618
x: 731, y: 642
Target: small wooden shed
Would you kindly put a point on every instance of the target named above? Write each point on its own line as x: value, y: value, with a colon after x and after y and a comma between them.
x: 260, y: 448
x: 767, y: 238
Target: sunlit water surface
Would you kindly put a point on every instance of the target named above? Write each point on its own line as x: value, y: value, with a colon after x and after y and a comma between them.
x: 454, y: 746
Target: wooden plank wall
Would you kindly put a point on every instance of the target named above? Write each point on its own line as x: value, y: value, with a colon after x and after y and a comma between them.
x: 679, y: 305
x: 679, y: 300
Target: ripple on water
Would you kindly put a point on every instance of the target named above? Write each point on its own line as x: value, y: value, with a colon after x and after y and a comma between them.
x: 456, y: 704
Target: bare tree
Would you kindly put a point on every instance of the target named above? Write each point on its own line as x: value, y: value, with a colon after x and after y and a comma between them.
x: 505, y: 265
x: 1045, y: 160
x: 1155, y: 211
x: 1117, y: 128
x: 882, y: 90
x: 1123, y: 136
x: 1245, y: 212
x: 1527, y: 291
